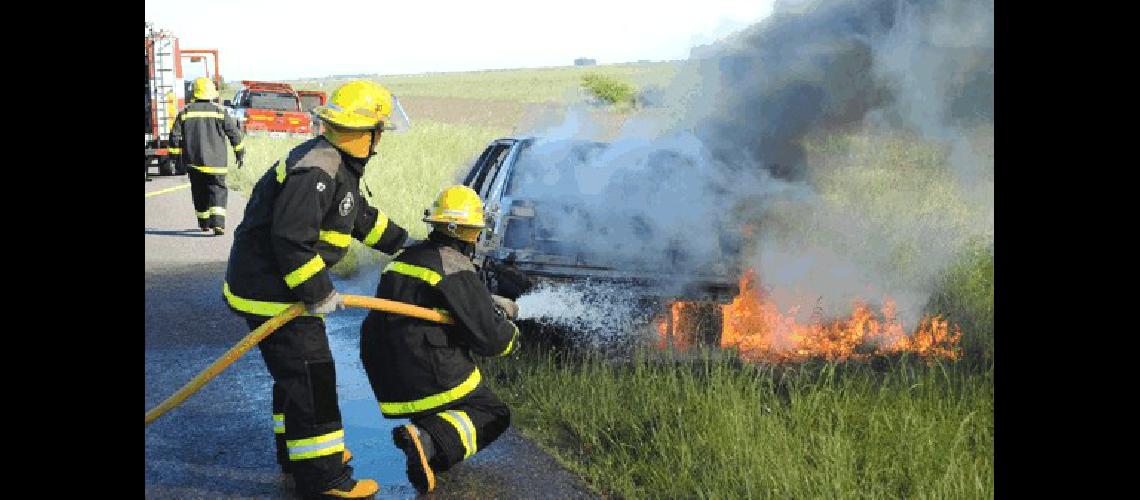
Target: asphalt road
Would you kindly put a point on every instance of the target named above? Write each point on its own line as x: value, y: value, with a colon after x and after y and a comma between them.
x: 219, y: 443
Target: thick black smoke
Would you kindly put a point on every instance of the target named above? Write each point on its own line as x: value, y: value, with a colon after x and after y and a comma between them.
x: 917, y: 65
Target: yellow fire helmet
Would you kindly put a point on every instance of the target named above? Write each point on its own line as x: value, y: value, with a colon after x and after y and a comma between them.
x: 457, y: 211
x: 204, y: 89
x: 364, y: 105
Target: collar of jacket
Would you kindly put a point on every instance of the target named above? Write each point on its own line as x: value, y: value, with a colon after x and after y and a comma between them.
x: 354, y: 164
x: 463, y: 247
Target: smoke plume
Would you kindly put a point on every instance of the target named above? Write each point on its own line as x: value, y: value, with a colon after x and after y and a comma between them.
x: 776, y: 134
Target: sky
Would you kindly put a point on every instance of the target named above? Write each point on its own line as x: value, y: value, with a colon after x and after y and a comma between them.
x: 288, y: 39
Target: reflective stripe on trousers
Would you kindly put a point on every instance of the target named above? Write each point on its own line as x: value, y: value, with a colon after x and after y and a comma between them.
x: 464, y: 427
x: 319, y: 446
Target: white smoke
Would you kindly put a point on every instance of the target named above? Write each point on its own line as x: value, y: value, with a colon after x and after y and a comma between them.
x: 727, y: 150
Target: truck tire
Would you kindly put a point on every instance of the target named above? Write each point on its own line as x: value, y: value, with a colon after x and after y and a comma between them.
x: 179, y: 167
x: 166, y: 166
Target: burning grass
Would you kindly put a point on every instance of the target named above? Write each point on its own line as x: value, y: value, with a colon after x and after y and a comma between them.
x: 759, y: 331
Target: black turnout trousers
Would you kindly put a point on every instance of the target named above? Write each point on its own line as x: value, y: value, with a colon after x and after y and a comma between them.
x: 209, y: 194
x: 306, y: 416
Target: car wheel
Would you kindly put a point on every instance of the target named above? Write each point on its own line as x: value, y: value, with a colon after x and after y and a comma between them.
x: 699, y: 324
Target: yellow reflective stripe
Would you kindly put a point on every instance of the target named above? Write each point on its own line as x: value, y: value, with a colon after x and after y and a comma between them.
x: 279, y: 423
x: 336, y: 238
x: 212, y: 211
x: 315, y: 440
x: 278, y: 417
x: 174, y: 151
x: 464, y: 428
x: 306, y: 271
x: 240, y: 145
x: 257, y: 307
x: 473, y: 438
x: 319, y: 446
x: 377, y: 229
x: 511, y: 344
x: 210, y: 170
x: 202, y: 114
x: 281, y: 168
x: 423, y: 273
x: 435, y: 400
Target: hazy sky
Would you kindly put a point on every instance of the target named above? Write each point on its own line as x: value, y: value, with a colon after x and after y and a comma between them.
x: 288, y: 39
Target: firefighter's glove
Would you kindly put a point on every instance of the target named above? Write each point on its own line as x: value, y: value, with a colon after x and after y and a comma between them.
x: 512, y: 283
x: 240, y: 155
x: 509, y: 308
x: 331, y: 303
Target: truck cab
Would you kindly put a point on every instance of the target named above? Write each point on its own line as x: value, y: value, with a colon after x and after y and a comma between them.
x: 273, y: 108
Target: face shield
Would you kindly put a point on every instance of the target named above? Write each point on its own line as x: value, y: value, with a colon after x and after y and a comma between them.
x: 397, y: 121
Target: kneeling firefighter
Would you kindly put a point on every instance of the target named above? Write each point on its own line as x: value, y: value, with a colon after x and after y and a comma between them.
x: 424, y: 371
x: 298, y: 222
x: 199, y: 138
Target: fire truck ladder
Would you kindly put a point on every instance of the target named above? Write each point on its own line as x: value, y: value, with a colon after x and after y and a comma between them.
x: 163, y: 85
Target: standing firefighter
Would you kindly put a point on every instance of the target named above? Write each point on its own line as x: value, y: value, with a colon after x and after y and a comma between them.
x: 423, y: 370
x: 199, y: 136
x: 298, y: 222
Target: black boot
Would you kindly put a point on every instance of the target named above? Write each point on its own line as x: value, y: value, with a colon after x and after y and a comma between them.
x: 418, y: 448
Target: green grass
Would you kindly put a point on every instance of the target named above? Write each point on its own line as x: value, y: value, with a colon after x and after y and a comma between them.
x: 404, y: 177
x: 560, y: 84
x: 714, y: 428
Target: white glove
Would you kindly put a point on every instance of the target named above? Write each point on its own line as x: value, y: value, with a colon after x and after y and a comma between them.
x: 508, y: 306
x: 331, y: 303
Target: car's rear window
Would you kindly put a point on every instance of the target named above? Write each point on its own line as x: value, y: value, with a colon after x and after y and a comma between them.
x: 272, y: 100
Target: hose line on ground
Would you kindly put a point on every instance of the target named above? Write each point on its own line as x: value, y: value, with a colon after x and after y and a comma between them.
x: 258, y: 334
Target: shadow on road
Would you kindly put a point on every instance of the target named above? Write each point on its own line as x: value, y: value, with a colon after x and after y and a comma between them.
x: 179, y: 232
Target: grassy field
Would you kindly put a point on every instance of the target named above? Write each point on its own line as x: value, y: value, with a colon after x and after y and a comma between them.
x: 560, y: 84
x: 658, y: 428
x: 715, y: 428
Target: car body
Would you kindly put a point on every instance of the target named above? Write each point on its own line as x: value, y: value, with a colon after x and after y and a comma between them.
x: 519, y: 233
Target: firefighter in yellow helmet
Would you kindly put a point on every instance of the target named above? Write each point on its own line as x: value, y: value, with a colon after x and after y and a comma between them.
x: 298, y: 223
x: 424, y: 371
x: 199, y: 136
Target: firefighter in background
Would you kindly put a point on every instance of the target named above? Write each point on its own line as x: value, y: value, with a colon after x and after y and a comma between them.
x: 423, y: 370
x: 298, y: 223
x: 199, y: 137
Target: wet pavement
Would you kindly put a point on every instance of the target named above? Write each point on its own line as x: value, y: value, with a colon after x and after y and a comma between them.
x: 219, y: 442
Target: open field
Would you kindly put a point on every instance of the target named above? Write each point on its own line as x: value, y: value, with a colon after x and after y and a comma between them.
x: 538, y: 85
x: 713, y: 427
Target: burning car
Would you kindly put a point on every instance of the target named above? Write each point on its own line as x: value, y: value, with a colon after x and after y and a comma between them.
x: 548, y: 217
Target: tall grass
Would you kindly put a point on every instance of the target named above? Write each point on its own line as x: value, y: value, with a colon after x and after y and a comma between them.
x: 402, y: 180
x: 715, y: 428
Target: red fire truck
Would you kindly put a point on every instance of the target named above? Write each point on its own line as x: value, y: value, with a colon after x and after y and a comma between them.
x: 275, y: 108
x: 166, y: 92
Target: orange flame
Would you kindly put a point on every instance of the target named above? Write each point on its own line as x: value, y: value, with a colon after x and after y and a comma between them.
x: 756, y: 328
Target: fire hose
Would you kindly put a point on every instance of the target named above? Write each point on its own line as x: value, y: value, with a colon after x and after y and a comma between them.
x: 273, y: 324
